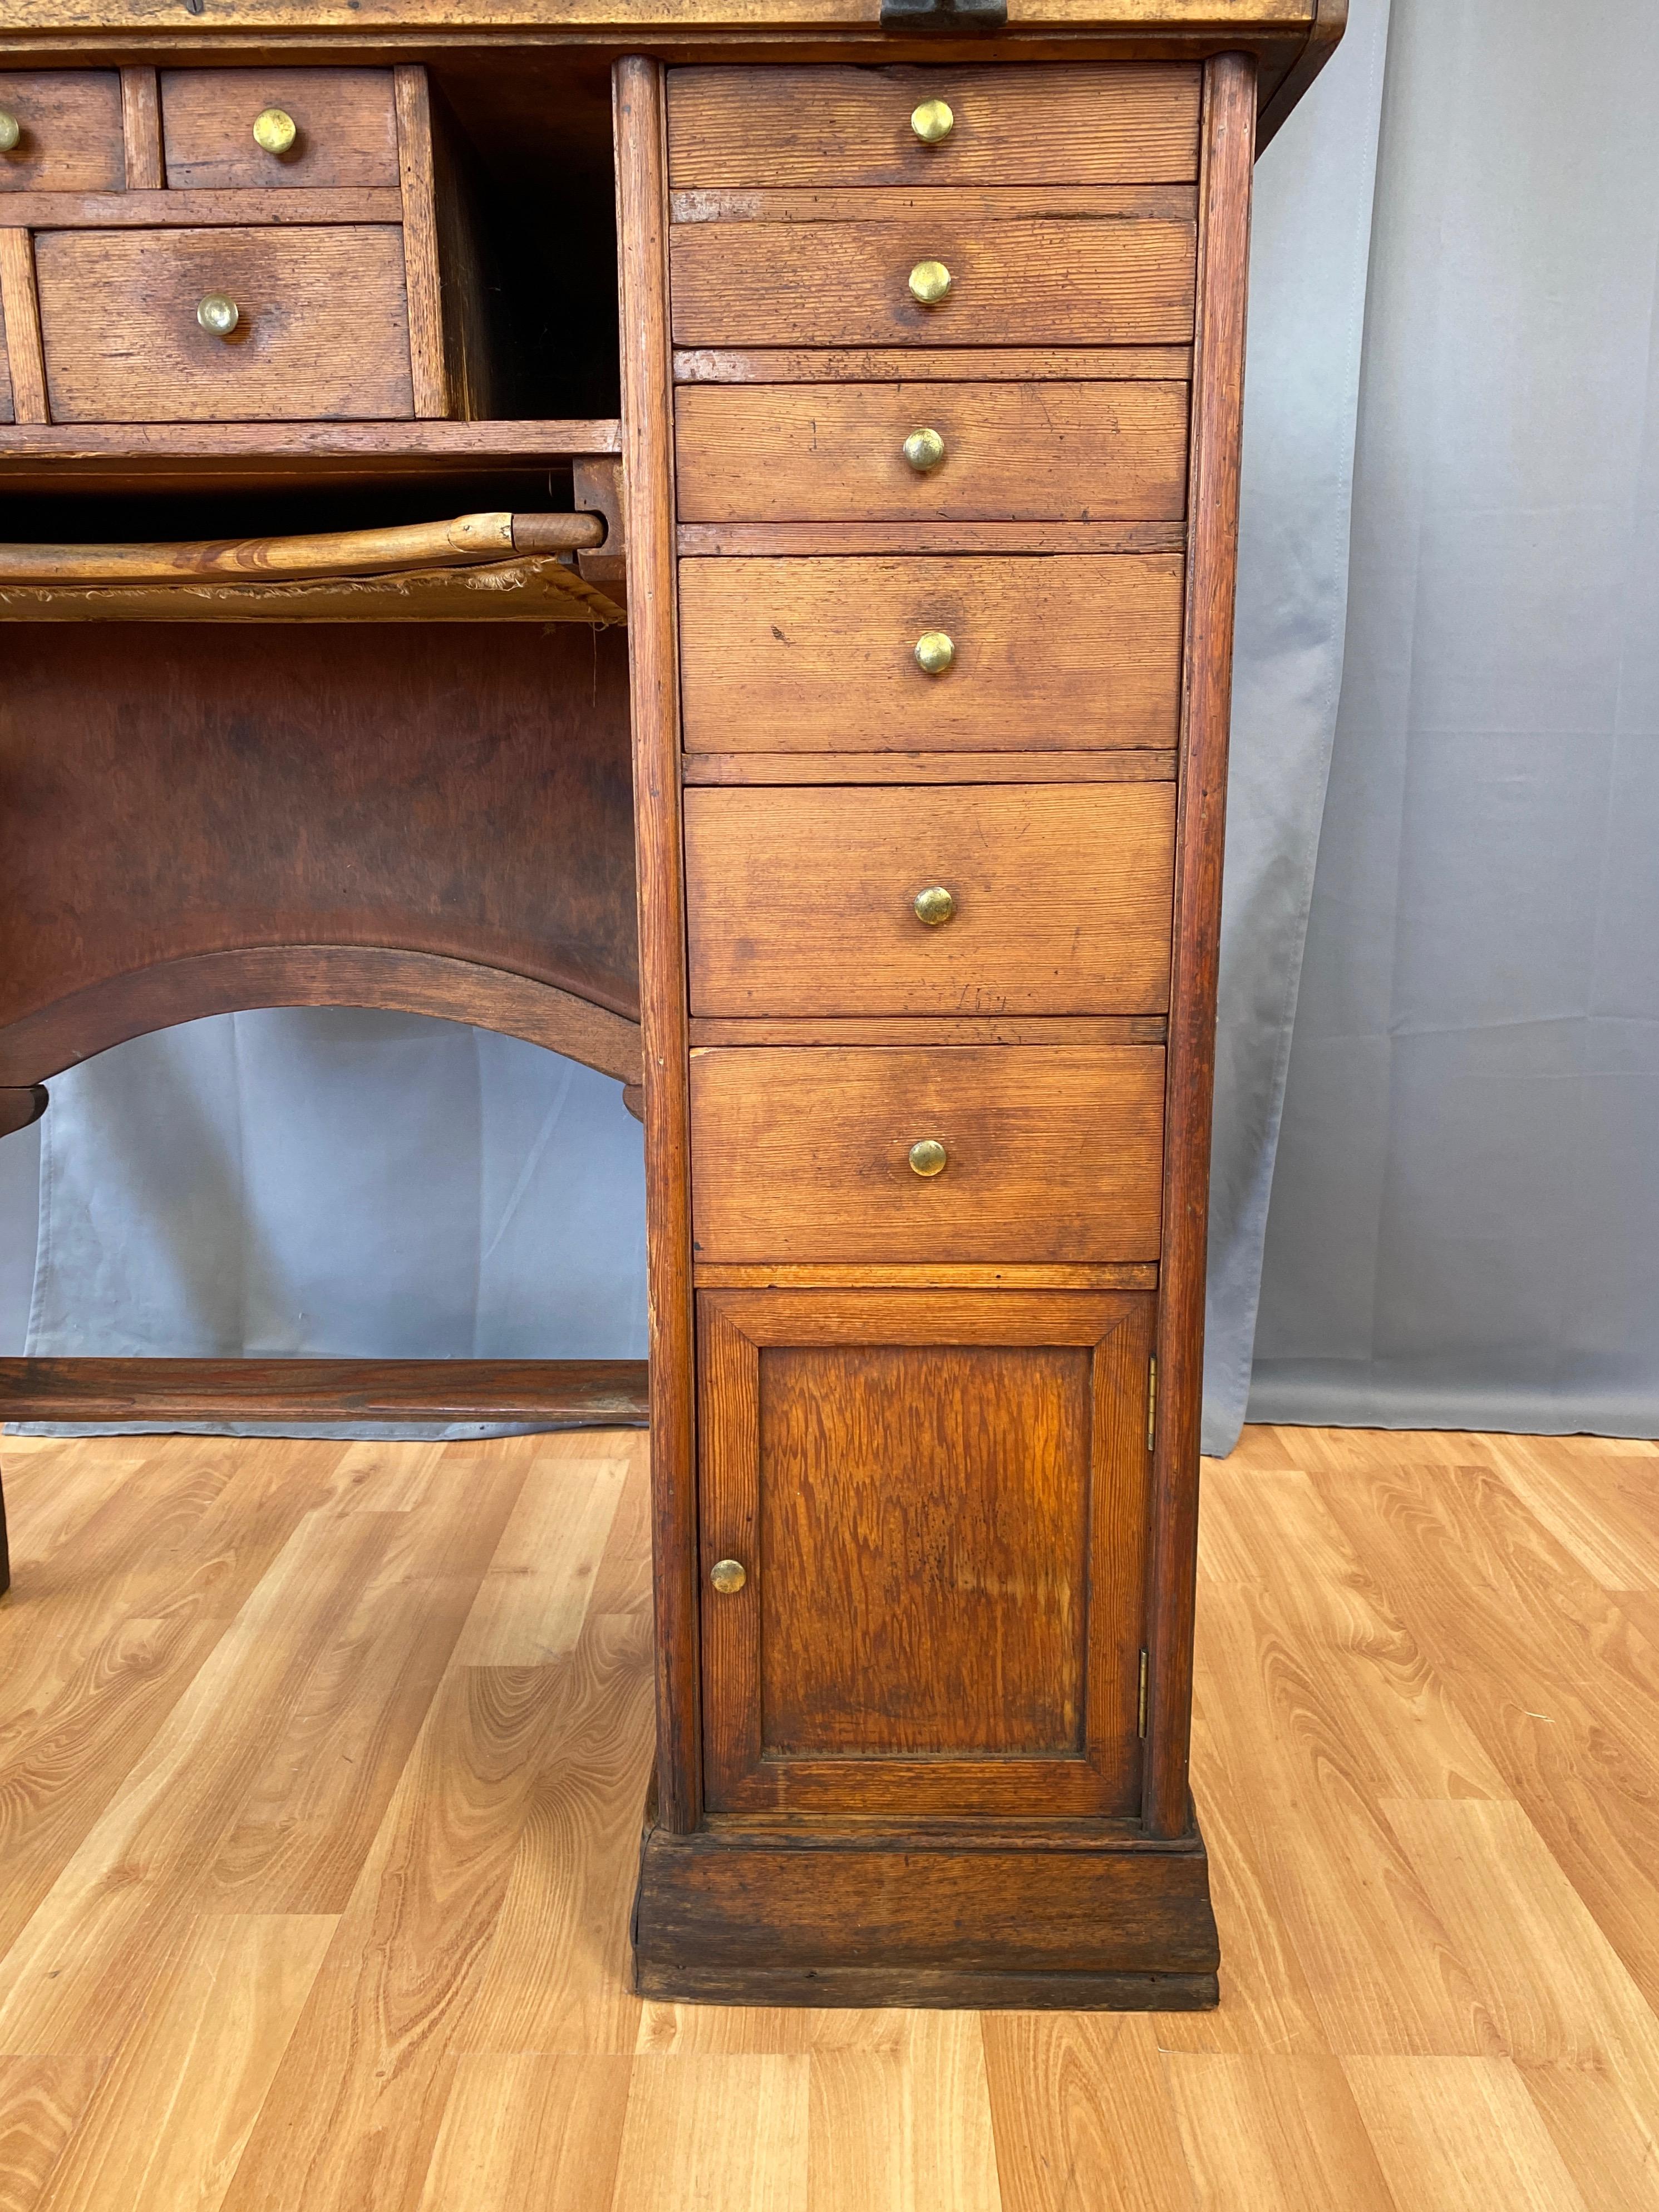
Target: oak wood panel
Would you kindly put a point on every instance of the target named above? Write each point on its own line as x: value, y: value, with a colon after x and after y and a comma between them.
x: 936, y: 1029
x: 596, y: 1391
x: 959, y: 205
x: 789, y: 540
x: 522, y: 591
x: 347, y: 129
x: 141, y: 128
x: 416, y: 176
x: 816, y: 452
x: 459, y: 790
x: 908, y: 767
x: 71, y: 138
x: 283, y: 456
x: 939, y: 1276
x: 1134, y: 29
x: 157, y: 209
x: 941, y: 1500
x: 798, y: 655
x: 918, y: 364
x: 1033, y: 279
x: 1035, y: 125
x: 324, y: 329
x: 653, y: 657
x: 1229, y: 136
x: 1062, y: 900
x: 20, y: 312
x: 802, y: 1152
x: 6, y: 410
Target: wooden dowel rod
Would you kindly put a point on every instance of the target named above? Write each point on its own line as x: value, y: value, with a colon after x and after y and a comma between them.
x: 467, y: 538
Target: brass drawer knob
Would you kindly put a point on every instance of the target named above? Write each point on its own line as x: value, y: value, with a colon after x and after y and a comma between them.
x: 218, y: 314
x: 927, y: 1157
x: 274, y: 130
x: 929, y: 283
x: 924, y: 450
x: 728, y: 1576
x: 933, y: 906
x: 934, y: 652
x: 933, y: 121
x: 11, y: 132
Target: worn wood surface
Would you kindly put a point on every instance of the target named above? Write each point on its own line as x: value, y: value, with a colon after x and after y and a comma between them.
x: 918, y: 1634
x: 348, y: 132
x: 523, y: 591
x: 938, y: 1275
x: 909, y: 536
x: 801, y: 1152
x: 429, y: 369
x: 908, y: 767
x: 141, y: 128
x: 240, y: 1666
x: 923, y: 364
x: 1062, y: 900
x: 464, y: 537
x: 593, y: 1390
x: 20, y: 312
x: 71, y: 138
x: 323, y: 330
x: 653, y: 656
x: 1035, y: 126
x: 1207, y: 700
x: 827, y: 452
x: 1082, y: 275
x: 799, y: 654
x: 151, y: 208
x: 930, y: 1029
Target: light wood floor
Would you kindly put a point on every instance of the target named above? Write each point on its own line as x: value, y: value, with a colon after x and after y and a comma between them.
x: 320, y: 1775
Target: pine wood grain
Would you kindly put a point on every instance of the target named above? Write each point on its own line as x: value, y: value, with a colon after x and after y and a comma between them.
x: 71, y: 138
x: 348, y: 135
x: 1425, y: 2000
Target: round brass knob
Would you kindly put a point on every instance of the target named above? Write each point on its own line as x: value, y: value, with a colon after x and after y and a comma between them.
x: 218, y: 315
x: 934, y: 652
x: 924, y: 450
x: 274, y: 130
x: 933, y: 906
x: 728, y: 1576
x: 10, y: 131
x: 927, y: 1157
x: 929, y: 283
x: 932, y: 121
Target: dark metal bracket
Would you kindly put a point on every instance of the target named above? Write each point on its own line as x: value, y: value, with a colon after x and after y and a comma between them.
x: 950, y: 16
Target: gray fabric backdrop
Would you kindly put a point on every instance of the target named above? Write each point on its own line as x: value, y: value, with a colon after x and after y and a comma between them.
x: 1452, y: 1101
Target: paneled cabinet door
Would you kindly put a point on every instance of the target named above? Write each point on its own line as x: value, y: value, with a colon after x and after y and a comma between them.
x: 937, y: 1501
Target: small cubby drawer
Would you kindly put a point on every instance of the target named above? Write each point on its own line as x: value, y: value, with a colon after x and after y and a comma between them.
x: 1021, y: 124
x: 65, y: 131
x: 972, y: 900
x: 225, y: 129
x: 979, y: 653
x: 895, y: 1155
x: 321, y: 329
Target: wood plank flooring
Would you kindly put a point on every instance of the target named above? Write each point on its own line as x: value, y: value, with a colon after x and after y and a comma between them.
x: 321, y: 1768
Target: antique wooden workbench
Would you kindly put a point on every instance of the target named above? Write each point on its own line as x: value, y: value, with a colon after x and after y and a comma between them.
x: 803, y: 697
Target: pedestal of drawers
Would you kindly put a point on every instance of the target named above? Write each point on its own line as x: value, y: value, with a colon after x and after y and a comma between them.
x: 928, y: 559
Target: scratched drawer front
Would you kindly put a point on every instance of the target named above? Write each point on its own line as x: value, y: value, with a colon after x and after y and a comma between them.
x: 345, y: 120
x: 1020, y: 123
x: 803, y: 1153
x: 828, y: 654
x: 1092, y: 269
x: 1017, y: 452
x: 1059, y: 900
x: 323, y: 334
x: 69, y: 131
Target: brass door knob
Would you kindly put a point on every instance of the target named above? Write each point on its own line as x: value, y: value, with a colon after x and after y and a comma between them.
x: 934, y: 652
x: 927, y: 1157
x: 929, y: 283
x: 218, y: 314
x: 933, y: 906
x: 728, y: 1576
x: 924, y: 450
x: 932, y: 121
x: 274, y: 130
x: 10, y: 131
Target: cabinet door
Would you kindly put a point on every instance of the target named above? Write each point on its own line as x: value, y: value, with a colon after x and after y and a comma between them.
x: 939, y: 1500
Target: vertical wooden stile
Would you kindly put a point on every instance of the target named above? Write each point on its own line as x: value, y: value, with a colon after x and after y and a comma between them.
x: 648, y: 497
x: 1228, y: 146
x: 141, y: 131
x: 416, y: 181
x: 20, y: 308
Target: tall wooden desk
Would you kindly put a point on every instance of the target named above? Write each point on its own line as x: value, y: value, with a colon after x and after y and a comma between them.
x: 380, y: 632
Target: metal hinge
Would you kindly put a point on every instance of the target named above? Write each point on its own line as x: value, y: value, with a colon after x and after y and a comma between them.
x: 1151, y: 1402
x: 1140, y: 1725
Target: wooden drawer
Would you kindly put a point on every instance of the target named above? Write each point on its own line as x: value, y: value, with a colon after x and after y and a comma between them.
x: 820, y: 655
x: 346, y: 118
x: 1062, y: 895
x: 1030, y: 124
x: 323, y: 328
x: 70, y: 126
x: 1109, y: 267
x: 802, y: 1154
x: 1016, y: 452
x: 8, y: 413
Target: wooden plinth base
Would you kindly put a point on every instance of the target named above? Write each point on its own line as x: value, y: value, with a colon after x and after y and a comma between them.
x: 1107, y: 1922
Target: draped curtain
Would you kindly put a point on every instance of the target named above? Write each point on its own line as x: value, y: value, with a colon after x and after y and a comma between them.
x: 1436, y: 1175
